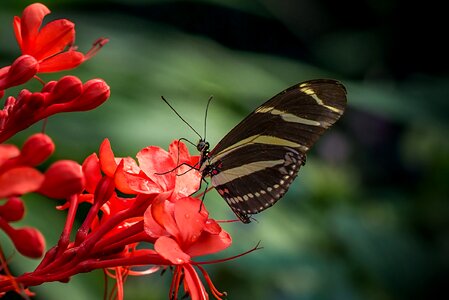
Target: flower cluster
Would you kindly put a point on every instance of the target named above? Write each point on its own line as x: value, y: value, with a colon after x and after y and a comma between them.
x: 47, y: 48
x: 19, y: 176
x: 141, y: 210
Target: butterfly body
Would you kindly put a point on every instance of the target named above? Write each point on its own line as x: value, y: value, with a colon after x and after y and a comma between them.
x: 253, y: 166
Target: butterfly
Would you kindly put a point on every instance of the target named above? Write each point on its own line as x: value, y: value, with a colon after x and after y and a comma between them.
x: 253, y: 166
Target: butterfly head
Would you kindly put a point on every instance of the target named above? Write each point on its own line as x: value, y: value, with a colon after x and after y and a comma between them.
x: 202, y: 146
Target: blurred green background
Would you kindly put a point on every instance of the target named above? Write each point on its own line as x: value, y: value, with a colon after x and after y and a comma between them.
x: 367, y: 217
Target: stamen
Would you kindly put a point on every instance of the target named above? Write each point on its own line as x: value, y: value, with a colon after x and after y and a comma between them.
x: 174, y: 287
x: 96, y: 46
x: 215, y: 292
x: 257, y: 247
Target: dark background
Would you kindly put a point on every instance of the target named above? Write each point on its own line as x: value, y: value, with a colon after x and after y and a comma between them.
x: 367, y: 217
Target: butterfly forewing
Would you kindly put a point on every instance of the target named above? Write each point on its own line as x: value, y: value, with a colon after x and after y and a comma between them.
x: 254, y: 164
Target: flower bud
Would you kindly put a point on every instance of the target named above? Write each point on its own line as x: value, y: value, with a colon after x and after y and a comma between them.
x: 63, y: 179
x: 28, y: 241
x: 13, y: 210
x: 34, y: 101
x: 95, y: 92
x: 49, y: 86
x: 10, y: 104
x: 22, y: 70
x: 66, y: 89
x: 36, y: 149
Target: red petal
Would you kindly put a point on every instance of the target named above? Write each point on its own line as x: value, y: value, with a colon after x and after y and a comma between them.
x: 170, y: 250
x: 137, y: 183
x: 179, y: 154
x: 162, y: 211
x: 92, y: 172
x: 61, y: 62
x: 7, y: 152
x: 187, y: 182
x: 53, y: 38
x: 19, y: 181
x: 31, y: 21
x: 210, y: 243
x: 107, y: 160
x: 182, y: 155
x: 212, y: 227
x: 130, y: 166
x: 18, y: 31
x: 123, y: 178
x: 156, y: 160
x: 190, y: 220
x: 151, y: 227
x: 194, y: 160
x: 193, y: 284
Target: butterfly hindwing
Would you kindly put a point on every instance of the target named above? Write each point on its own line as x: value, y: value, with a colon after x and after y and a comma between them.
x: 249, y: 188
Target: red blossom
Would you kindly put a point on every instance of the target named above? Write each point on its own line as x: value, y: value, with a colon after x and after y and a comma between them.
x: 158, y: 171
x: 182, y: 232
x: 51, y: 44
x: 179, y: 229
x: 117, y: 230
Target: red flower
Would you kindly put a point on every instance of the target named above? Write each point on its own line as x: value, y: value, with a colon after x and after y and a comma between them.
x: 175, y: 224
x: 183, y: 231
x: 159, y: 171
x: 117, y: 232
x: 47, y: 44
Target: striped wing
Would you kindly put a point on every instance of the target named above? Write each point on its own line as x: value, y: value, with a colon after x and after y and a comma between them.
x: 258, y: 159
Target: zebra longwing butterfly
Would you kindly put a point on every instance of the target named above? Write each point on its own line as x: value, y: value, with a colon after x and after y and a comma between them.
x: 253, y: 166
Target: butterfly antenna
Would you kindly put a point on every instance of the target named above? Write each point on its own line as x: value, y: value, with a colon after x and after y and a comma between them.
x: 205, y: 115
x: 174, y: 110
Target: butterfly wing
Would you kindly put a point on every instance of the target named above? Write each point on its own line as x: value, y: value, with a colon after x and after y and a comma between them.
x: 255, y: 163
